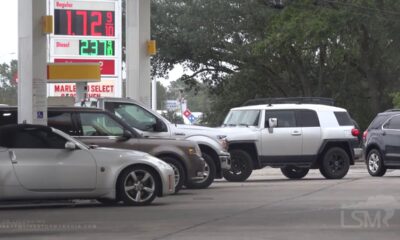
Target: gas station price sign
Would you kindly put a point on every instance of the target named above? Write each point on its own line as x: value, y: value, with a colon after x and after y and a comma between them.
x: 84, y: 22
x: 88, y: 31
x: 96, y: 48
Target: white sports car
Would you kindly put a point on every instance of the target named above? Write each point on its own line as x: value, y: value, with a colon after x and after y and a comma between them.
x: 39, y: 162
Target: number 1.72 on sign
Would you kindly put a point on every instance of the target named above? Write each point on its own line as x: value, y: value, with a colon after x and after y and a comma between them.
x: 96, y: 48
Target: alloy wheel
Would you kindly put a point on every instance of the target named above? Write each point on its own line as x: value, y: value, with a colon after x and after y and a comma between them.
x: 139, y: 185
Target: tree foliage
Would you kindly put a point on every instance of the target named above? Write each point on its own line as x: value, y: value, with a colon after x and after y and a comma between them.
x: 8, y: 85
x: 344, y: 49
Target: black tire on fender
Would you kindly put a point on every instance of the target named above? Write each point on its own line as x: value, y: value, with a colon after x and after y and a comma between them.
x: 209, y: 174
x: 375, y: 164
x: 335, y: 163
x: 241, y: 166
x: 179, y: 171
x: 294, y: 172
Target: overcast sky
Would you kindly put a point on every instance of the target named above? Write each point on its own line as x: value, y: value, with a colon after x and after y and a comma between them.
x: 9, y: 30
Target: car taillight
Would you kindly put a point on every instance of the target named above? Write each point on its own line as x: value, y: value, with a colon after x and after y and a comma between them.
x: 355, y: 132
x: 365, y: 134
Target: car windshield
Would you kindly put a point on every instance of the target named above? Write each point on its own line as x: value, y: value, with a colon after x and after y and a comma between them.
x: 242, y: 118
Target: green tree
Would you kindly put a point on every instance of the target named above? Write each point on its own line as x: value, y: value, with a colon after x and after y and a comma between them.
x: 197, y: 95
x: 161, y: 96
x: 346, y: 50
x: 8, y: 85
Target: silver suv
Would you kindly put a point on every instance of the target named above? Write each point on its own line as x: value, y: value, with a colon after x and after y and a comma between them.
x: 295, y: 137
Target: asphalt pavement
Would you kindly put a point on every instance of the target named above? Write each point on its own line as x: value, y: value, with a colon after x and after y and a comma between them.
x: 267, y: 206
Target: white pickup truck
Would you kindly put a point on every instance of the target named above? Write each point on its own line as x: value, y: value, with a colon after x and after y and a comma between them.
x: 149, y: 123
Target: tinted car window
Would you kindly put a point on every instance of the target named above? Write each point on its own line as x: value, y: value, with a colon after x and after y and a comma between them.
x: 344, y: 119
x: 99, y: 124
x: 134, y: 115
x: 393, y: 123
x: 33, y: 138
x: 61, y: 121
x: 286, y: 118
x: 378, y: 121
x: 8, y: 117
x: 307, y: 118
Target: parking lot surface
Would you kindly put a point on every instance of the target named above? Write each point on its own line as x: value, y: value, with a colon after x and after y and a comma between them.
x: 267, y: 206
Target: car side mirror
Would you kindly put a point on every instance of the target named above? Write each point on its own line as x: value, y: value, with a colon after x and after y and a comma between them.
x: 70, y: 146
x: 272, y: 122
x: 158, y: 126
x: 126, y: 135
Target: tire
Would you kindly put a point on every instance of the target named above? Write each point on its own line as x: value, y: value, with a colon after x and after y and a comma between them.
x: 294, y: 172
x: 335, y: 163
x: 179, y: 171
x: 107, y: 201
x: 138, y: 186
x: 209, y: 174
x: 375, y: 165
x: 242, y: 166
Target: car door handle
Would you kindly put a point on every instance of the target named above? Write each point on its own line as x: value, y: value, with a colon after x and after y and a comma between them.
x: 179, y: 134
x: 12, y: 156
x: 296, y: 133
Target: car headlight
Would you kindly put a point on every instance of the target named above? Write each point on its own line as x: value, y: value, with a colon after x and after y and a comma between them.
x: 224, y: 143
x: 194, y: 151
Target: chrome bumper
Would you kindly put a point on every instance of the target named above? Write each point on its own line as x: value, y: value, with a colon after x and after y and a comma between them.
x: 225, y: 161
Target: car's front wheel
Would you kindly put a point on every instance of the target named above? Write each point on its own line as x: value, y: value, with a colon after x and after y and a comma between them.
x: 335, y: 163
x: 208, y: 175
x: 179, y: 171
x: 294, y: 172
x: 138, y: 186
x: 376, y: 168
x: 241, y: 166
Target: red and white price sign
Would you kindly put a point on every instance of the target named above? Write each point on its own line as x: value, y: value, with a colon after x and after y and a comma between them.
x: 88, y: 31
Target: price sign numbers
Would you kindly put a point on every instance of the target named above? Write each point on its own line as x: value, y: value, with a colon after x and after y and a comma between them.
x: 84, y: 22
x: 96, y: 48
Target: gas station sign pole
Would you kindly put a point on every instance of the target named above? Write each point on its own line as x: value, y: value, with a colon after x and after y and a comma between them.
x: 32, y: 64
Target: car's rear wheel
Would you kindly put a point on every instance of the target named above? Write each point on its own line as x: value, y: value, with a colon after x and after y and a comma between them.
x: 375, y: 165
x: 294, y: 172
x: 179, y: 171
x: 335, y: 163
x: 241, y: 166
x: 138, y: 186
x: 208, y: 176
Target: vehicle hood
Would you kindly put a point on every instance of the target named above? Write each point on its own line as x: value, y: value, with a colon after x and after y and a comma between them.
x: 240, y: 133
x: 114, y: 155
x: 118, y: 152
x: 194, y: 127
x: 191, y: 130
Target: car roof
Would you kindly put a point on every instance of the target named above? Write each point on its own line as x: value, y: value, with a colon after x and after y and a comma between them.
x: 12, y: 127
x: 390, y: 112
x: 317, y: 107
x: 60, y: 108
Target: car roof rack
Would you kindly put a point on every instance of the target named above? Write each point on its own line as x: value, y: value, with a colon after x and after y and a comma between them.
x: 295, y: 100
x: 393, y: 110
